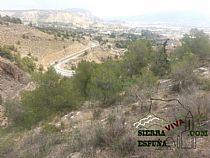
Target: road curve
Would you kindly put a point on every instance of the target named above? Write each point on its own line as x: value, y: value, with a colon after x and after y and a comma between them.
x: 69, y: 73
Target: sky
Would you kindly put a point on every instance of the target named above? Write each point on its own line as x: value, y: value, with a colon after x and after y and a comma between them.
x: 112, y: 8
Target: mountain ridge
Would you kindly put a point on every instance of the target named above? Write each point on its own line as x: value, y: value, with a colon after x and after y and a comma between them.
x: 181, y: 18
x: 75, y: 16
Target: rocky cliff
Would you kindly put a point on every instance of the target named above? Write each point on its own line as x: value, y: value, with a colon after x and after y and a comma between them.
x: 12, y: 79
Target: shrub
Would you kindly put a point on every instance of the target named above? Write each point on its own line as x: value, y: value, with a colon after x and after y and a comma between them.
x: 196, y: 42
x: 105, y: 83
x: 5, y: 52
x: 205, y: 85
x: 147, y: 80
x: 182, y: 71
x: 199, y: 105
x: 138, y: 56
x: 24, y: 36
x: 20, y: 117
x: 7, y: 55
x: 27, y: 64
x: 125, y: 146
x: 99, y: 39
x: 53, y: 95
x: 96, y: 113
x: 83, y: 76
x: 111, y: 136
x: 15, y: 113
x: 11, y: 19
x: 161, y: 65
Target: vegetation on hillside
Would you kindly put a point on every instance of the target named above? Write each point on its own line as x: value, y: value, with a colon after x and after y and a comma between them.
x: 141, y: 66
x: 74, y: 34
x: 196, y: 42
x: 104, y: 84
x: 26, y: 63
x: 5, y: 52
x: 10, y: 19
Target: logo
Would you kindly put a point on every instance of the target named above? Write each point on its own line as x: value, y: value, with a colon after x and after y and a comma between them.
x: 175, y: 130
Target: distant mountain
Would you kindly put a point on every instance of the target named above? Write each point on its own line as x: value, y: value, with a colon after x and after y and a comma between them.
x: 84, y: 18
x: 76, y: 17
x: 170, y: 18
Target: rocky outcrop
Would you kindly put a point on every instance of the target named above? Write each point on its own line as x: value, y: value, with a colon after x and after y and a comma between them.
x: 12, y: 79
x: 17, y: 74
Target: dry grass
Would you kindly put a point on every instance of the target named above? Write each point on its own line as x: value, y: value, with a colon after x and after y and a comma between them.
x: 39, y: 44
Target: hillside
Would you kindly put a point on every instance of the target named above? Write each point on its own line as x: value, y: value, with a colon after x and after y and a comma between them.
x: 76, y: 17
x: 12, y: 79
x: 29, y: 40
x: 138, y: 102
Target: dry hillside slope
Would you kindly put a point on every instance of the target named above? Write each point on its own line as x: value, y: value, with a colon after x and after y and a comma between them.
x: 30, y: 40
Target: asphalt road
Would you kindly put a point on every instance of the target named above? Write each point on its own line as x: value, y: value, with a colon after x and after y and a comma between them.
x: 69, y: 73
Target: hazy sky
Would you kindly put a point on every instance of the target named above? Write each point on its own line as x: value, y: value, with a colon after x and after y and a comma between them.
x: 112, y: 8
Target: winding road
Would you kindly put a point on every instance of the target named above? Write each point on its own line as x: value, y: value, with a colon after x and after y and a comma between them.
x: 69, y: 73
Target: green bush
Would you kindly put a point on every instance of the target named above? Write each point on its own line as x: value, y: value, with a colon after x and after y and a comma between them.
x: 11, y: 19
x: 189, y: 61
x: 98, y: 38
x: 205, y: 85
x: 161, y: 65
x: 52, y: 96
x: 5, y: 52
x: 15, y: 113
x: 119, y: 45
x: 182, y: 71
x: 83, y: 76
x: 196, y: 42
x: 139, y: 55
x: 105, y: 83
x: 26, y: 63
x: 146, y: 80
